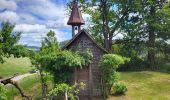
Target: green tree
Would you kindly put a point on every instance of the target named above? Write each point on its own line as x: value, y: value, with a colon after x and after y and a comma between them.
x: 152, y: 21
x: 40, y: 60
x: 143, y: 24
x: 107, y: 17
x: 8, y: 39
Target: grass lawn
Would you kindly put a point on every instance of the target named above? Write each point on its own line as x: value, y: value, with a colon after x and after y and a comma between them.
x: 31, y: 86
x: 15, y: 65
x: 145, y: 85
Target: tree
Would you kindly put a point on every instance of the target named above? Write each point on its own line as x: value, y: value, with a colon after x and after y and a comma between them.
x: 8, y: 39
x: 48, y: 49
x: 106, y: 18
x: 141, y: 22
x: 152, y: 19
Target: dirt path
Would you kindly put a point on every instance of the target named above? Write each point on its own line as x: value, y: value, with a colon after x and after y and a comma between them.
x: 19, y: 77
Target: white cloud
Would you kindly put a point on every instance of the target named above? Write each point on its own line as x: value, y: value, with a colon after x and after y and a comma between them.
x: 8, y: 4
x: 9, y: 16
x: 44, y: 8
x: 33, y: 34
x: 28, y: 18
x: 34, y: 18
x: 28, y: 28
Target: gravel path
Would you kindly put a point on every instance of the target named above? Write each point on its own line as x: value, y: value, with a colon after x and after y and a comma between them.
x: 19, y: 77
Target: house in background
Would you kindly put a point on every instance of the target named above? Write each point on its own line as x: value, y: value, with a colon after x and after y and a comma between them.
x: 90, y: 75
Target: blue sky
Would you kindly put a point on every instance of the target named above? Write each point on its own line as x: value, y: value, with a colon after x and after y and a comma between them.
x: 34, y: 18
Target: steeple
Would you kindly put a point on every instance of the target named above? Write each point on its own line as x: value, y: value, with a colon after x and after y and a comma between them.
x: 76, y: 19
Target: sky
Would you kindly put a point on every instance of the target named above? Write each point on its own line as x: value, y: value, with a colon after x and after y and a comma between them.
x: 34, y: 18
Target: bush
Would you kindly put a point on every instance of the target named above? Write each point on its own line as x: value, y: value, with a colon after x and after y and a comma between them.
x: 63, y: 89
x: 3, y: 92
x: 120, y: 88
x: 109, y: 63
x: 134, y: 64
x: 165, y: 67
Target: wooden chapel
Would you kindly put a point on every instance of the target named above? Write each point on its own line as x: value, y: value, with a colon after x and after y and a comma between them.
x: 82, y: 41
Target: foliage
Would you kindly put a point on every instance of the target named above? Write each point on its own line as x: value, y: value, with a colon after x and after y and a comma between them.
x: 119, y: 88
x: 144, y: 25
x: 66, y: 90
x: 109, y: 63
x: 87, y: 56
x: 8, y: 41
x: 106, y: 18
x: 152, y: 21
x: 40, y: 60
x: 3, y: 92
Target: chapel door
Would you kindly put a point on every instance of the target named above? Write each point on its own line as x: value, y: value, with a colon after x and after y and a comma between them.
x: 83, y: 76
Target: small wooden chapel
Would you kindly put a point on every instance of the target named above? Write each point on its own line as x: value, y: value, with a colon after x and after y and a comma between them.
x: 90, y: 75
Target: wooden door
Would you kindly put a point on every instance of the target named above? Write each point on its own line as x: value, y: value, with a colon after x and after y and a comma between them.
x: 83, y: 76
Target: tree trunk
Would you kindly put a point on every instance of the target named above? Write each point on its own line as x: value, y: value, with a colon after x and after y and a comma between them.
x: 43, y: 84
x: 151, y: 49
x: 151, y: 41
x: 105, y: 24
x: 10, y: 81
x: 66, y: 95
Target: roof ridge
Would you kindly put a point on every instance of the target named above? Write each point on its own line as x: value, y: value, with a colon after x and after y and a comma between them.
x: 92, y: 39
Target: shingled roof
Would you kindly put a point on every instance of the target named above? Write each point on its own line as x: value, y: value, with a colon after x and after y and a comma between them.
x: 88, y: 35
x: 75, y: 17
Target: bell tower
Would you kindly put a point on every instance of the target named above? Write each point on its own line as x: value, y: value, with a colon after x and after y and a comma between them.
x: 76, y: 19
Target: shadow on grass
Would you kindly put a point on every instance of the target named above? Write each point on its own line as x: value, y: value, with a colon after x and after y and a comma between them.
x: 158, y: 69
x: 117, y: 95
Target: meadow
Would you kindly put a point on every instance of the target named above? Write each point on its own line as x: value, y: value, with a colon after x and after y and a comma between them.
x: 13, y: 66
x: 145, y: 85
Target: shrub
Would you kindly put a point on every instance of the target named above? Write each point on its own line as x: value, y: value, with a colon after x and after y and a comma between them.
x: 66, y: 91
x: 109, y: 63
x: 120, y: 88
x: 3, y: 92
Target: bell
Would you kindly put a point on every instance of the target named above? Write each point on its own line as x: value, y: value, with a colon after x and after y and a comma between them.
x: 75, y: 28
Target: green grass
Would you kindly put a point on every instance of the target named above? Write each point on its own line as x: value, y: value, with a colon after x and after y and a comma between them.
x: 31, y: 86
x: 15, y: 65
x: 145, y: 85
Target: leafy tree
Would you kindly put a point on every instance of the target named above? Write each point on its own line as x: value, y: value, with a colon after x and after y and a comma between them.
x: 8, y: 39
x: 142, y: 23
x: 152, y: 19
x: 107, y: 17
x: 48, y: 49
